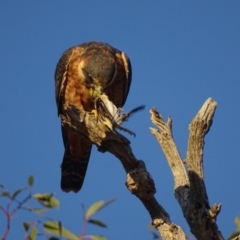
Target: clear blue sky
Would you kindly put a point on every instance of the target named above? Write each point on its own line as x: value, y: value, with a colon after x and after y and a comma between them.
x: 182, y: 52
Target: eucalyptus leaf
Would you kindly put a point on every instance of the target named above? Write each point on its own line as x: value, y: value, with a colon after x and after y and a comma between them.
x: 5, y: 193
x: 97, y: 222
x: 30, y: 180
x: 53, y: 227
x: 47, y: 200
x: 98, y: 238
x: 17, y: 192
x: 97, y: 206
x: 26, y: 226
x: 33, y: 233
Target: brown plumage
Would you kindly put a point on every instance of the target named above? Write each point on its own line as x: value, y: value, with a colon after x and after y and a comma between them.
x: 83, y: 71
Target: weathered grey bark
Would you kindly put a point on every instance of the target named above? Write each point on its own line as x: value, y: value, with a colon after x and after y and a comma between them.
x: 139, y: 181
x: 189, y: 186
x: 189, y: 189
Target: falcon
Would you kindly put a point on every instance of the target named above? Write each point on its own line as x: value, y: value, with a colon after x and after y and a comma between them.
x: 84, y: 72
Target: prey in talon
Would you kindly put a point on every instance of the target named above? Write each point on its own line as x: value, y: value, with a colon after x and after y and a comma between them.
x: 112, y: 116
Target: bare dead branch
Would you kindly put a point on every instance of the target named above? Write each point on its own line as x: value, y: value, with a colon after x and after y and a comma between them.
x: 189, y: 186
x: 139, y: 181
x: 165, y: 139
x: 198, y: 128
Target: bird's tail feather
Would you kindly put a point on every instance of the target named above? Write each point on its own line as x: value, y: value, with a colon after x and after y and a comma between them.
x: 74, y: 169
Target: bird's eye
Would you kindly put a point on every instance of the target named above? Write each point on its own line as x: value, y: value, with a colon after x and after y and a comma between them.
x: 88, y: 78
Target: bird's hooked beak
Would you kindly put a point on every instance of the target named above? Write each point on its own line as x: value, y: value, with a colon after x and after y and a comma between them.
x: 95, y: 91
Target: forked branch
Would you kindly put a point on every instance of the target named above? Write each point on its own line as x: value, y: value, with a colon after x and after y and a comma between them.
x: 189, y: 189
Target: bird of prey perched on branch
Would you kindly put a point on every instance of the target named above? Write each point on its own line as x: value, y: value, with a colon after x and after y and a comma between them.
x: 83, y: 73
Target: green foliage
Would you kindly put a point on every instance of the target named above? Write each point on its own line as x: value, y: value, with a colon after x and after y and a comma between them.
x: 97, y: 222
x: 5, y: 194
x: 14, y: 195
x: 33, y: 233
x: 30, y: 180
x: 47, y: 200
x: 93, y: 209
x: 97, y: 238
x: 54, y: 230
x: 97, y: 206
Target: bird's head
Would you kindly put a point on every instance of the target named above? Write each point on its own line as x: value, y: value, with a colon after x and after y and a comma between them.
x: 95, y: 87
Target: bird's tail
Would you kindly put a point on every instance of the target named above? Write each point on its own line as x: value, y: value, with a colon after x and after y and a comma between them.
x: 74, y: 166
